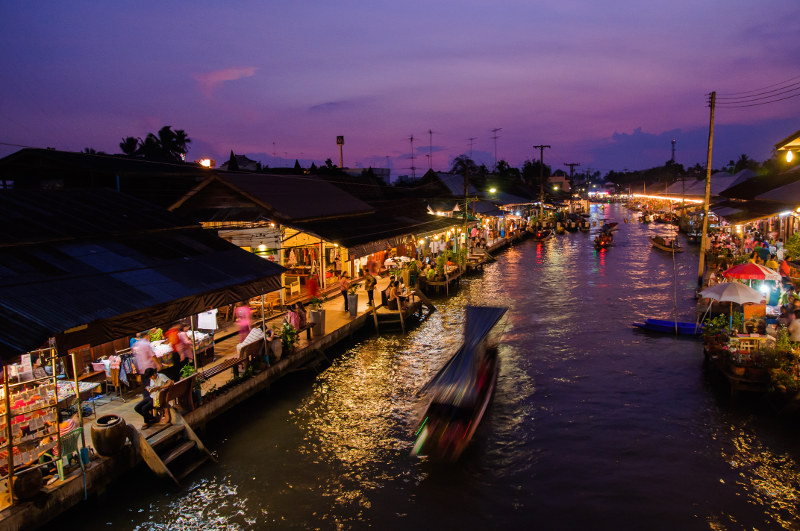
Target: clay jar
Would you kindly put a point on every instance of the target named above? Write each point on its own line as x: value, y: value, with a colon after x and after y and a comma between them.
x: 28, y: 483
x: 108, y: 434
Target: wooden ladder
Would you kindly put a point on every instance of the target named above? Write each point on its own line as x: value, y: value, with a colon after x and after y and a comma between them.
x: 174, y: 452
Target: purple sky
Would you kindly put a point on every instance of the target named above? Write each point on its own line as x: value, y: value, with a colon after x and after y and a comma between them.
x: 606, y: 84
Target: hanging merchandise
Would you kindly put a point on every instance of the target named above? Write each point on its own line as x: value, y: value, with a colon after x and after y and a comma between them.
x: 314, y: 267
x: 292, y: 258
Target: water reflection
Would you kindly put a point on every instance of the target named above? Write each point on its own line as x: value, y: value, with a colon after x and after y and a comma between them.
x: 594, y: 425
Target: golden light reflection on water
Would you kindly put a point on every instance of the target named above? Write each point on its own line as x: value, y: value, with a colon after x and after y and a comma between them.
x: 768, y: 480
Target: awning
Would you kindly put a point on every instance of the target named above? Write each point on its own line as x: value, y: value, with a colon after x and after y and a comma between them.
x: 91, y: 290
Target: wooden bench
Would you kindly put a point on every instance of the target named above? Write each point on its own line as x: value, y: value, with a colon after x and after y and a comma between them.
x: 181, y: 392
x: 247, y: 353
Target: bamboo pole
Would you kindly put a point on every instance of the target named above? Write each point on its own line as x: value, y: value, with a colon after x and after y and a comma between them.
x: 9, y: 436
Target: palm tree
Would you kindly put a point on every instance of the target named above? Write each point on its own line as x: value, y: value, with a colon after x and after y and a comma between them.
x: 463, y: 164
x: 129, y: 146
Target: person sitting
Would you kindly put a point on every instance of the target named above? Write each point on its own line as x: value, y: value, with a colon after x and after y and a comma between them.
x: 398, y: 293
x: 785, y: 318
x: 155, y: 382
x: 794, y: 327
x: 292, y: 317
x: 302, y: 318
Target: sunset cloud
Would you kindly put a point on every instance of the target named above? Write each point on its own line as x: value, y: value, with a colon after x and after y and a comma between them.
x: 208, y: 82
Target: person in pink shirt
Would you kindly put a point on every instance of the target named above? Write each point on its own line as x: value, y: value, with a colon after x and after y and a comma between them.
x: 243, y: 315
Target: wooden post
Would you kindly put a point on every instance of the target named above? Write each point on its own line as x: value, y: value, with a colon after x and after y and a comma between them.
x: 704, y: 239
x: 9, y: 436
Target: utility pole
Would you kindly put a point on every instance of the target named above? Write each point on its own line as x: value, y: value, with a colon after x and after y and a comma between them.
x: 413, y: 173
x: 541, y: 180
x: 495, y: 137
x: 571, y: 172
x: 430, y: 149
x: 707, y: 197
x: 673, y: 150
x: 471, y: 141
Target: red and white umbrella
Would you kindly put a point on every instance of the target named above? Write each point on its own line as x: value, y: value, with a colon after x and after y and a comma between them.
x: 751, y: 271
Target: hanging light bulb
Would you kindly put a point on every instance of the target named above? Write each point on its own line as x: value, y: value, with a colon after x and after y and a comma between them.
x: 789, y: 156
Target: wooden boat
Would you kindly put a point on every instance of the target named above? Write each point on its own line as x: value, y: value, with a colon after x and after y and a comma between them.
x: 669, y: 327
x: 608, y: 227
x: 603, y: 240
x: 584, y: 225
x: 541, y: 235
x: 461, y: 391
x: 669, y: 246
x: 695, y: 235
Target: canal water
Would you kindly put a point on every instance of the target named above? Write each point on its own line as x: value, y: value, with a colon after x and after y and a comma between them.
x: 594, y: 425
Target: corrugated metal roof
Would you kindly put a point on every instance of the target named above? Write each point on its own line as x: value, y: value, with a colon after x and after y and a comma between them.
x: 364, y: 235
x: 99, y: 269
x: 297, y: 197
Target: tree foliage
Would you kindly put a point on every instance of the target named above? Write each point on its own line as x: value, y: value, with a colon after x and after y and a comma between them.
x: 164, y: 146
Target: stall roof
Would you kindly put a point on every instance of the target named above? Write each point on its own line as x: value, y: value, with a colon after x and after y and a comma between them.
x: 746, y: 211
x: 91, y: 266
x: 367, y: 234
x: 788, y: 194
x: 286, y: 198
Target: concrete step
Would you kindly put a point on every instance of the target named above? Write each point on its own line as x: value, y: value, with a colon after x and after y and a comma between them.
x: 165, y: 435
x: 191, y: 468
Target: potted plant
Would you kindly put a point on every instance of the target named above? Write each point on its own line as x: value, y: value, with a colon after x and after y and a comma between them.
x: 288, y: 337
x: 352, y: 299
x: 316, y: 316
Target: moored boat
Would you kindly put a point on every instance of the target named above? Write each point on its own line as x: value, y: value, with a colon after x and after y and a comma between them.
x: 670, y: 327
x: 669, y: 246
x: 461, y: 391
x: 541, y: 235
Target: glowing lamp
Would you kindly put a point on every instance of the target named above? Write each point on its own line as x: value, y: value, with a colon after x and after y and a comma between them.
x: 493, y: 190
x: 789, y: 156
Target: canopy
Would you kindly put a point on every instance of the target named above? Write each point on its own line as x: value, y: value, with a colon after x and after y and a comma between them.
x: 751, y: 271
x: 460, y: 371
x: 91, y: 266
x: 732, y: 292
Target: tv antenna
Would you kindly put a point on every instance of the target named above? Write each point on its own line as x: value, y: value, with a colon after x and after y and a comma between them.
x: 495, y: 137
x: 430, y: 149
x: 471, y: 141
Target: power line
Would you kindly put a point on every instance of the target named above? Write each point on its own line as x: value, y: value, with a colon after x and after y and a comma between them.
x: 767, y: 94
x: 728, y: 94
x: 730, y: 105
x: 764, y: 97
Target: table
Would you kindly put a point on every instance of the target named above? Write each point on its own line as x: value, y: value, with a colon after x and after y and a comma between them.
x: 750, y: 342
x: 66, y: 392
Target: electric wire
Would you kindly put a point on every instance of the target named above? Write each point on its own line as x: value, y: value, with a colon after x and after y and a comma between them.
x: 745, y: 92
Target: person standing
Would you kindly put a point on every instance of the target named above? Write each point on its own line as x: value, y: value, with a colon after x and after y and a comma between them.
x: 313, y: 286
x: 369, y: 285
x: 243, y: 315
x: 143, y: 354
x: 344, y: 284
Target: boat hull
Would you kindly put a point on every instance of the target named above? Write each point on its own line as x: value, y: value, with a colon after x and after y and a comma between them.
x: 666, y: 248
x: 444, y: 439
x: 668, y: 327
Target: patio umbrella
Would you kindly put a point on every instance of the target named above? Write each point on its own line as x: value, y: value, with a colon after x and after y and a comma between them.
x: 732, y: 292
x: 751, y: 271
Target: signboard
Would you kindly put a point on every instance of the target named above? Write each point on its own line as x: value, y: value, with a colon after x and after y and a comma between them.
x: 339, y: 140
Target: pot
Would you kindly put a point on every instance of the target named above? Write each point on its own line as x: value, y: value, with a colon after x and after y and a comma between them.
x: 27, y: 483
x: 276, y: 346
x: 352, y: 304
x: 108, y: 434
x: 317, y: 317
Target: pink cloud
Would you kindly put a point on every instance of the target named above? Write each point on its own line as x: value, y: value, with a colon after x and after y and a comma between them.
x: 209, y: 81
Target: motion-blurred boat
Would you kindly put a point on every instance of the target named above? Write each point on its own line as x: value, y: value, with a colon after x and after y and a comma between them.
x: 461, y: 391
